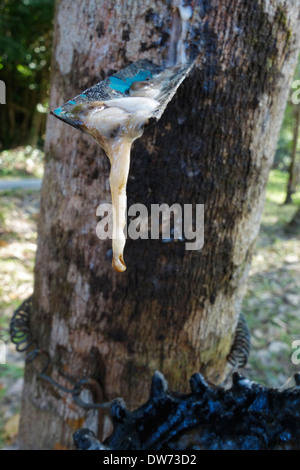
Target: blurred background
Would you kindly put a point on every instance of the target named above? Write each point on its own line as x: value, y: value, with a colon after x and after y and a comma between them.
x: 272, y: 302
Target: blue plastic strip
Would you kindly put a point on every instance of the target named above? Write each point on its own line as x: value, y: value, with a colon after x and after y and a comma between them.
x: 124, y: 85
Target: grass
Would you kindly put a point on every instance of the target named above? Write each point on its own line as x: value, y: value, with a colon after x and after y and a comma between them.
x: 276, y: 188
x: 272, y: 302
x: 12, y: 371
x: 276, y: 214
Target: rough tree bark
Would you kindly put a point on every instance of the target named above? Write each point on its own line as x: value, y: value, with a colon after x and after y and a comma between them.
x: 172, y: 310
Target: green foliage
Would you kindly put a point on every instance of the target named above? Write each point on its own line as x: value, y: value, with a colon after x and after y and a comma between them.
x: 25, y: 54
x: 21, y: 162
x: 285, y: 141
x: 25, y: 27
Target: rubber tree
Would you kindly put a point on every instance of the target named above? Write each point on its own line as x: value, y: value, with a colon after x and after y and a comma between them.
x: 174, y: 310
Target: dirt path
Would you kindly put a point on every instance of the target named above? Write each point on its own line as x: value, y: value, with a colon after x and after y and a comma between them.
x: 28, y: 184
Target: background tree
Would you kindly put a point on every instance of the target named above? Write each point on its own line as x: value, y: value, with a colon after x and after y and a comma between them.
x: 294, y: 169
x: 286, y: 156
x: 172, y: 310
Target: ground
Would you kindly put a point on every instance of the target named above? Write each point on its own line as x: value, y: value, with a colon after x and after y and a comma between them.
x: 271, y: 305
x: 272, y: 302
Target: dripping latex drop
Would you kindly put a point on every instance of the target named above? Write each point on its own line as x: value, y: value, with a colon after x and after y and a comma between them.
x: 115, y: 124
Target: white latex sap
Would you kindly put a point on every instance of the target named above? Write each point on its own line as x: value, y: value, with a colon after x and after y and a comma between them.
x: 115, y: 124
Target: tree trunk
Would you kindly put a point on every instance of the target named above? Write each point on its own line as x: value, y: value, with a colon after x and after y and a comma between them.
x: 293, y: 180
x: 294, y: 224
x: 172, y: 310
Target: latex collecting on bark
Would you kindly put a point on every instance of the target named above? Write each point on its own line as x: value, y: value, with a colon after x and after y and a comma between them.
x: 114, y: 112
x: 185, y: 13
x: 182, y: 13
